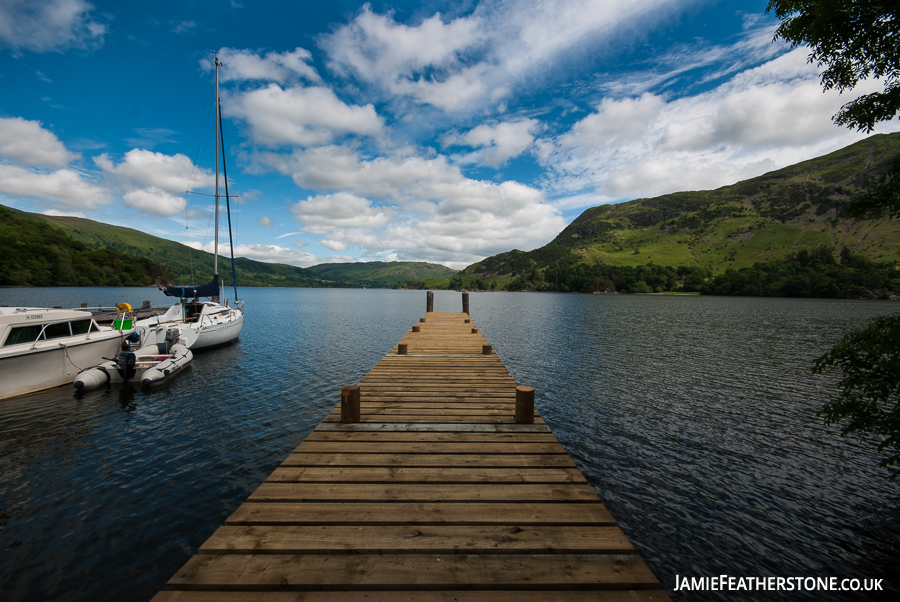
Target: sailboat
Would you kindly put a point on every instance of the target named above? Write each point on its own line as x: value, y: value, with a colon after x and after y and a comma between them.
x: 201, y: 323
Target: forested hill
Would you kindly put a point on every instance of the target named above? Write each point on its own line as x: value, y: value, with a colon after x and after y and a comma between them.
x: 771, y: 218
x: 34, y: 253
x: 44, y: 250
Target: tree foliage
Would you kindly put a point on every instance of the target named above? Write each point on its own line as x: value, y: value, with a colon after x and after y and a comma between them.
x: 870, y: 387
x: 854, y: 40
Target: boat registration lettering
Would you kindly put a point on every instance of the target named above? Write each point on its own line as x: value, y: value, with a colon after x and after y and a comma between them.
x: 35, y: 317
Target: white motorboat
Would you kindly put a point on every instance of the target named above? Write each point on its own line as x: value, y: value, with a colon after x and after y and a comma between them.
x: 42, y: 348
x: 205, y: 323
x: 148, y: 365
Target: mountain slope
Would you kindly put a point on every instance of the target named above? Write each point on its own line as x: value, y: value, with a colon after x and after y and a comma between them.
x: 185, y: 265
x: 383, y: 274
x: 762, y: 219
x: 34, y: 253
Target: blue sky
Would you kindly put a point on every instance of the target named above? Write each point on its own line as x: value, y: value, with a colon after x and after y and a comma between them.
x: 414, y: 131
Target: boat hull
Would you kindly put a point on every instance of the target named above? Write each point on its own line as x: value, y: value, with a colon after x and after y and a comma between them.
x: 53, y: 364
x: 150, y: 369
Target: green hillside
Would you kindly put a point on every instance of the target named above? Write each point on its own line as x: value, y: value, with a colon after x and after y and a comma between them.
x: 173, y: 262
x: 34, y: 253
x: 380, y: 274
x: 765, y: 219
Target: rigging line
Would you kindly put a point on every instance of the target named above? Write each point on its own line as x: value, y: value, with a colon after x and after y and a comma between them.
x: 227, y: 202
x: 190, y: 181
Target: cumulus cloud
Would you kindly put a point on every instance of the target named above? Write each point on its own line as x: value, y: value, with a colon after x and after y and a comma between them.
x: 300, y: 116
x: 758, y: 120
x: 49, y: 25
x: 26, y: 142
x: 171, y: 173
x: 264, y: 253
x: 497, y: 143
x: 394, y: 56
x: 154, y: 201
x: 324, y: 213
x: 264, y: 221
x: 149, y: 181
x: 419, y: 208
x: 466, y: 62
x: 65, y: 186
x: 244, y: 65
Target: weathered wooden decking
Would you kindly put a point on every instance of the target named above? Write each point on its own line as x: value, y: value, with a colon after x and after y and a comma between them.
x: 436, y: 494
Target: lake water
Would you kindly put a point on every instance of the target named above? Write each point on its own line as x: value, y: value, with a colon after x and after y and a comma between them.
x: 693, y: 418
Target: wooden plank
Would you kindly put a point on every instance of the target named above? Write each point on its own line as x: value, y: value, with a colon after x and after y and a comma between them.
x: 432, y: 460
x: 436, y: 495
x: 432, y: 437
x: 435, y: 539
x: 290, y: 572
x: 425, y: 475
x: 415, y: 513
x: 409, y: 447
x: 435, y: 427
x: 422, y: 492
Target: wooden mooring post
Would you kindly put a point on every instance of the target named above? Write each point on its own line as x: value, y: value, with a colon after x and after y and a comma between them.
x: 434, y: 479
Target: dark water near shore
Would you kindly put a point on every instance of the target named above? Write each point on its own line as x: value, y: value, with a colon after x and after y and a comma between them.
x: 693, y: 418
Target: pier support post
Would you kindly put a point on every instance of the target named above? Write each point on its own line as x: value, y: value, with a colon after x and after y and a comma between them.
x: 401, y: 348
x: 465, y: 297
x: 474, y: 331
x: 524, y: 405
x: 417, y: 328
x: 429, y: 302
x: 350, y: 404
x: 486, y: 349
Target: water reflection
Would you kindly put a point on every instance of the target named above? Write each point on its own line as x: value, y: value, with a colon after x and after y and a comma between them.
x: 693, y: 418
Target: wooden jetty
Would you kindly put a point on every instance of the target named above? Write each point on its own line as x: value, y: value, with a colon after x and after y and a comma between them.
x: 432, y: 480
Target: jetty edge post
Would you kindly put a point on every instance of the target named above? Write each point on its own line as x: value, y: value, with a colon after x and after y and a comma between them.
x: 401, y: 348
x: 465, y: 297
x: 524, y: 405
x: 350, y: 404
x: 486, y: 349
x: 429, y: 302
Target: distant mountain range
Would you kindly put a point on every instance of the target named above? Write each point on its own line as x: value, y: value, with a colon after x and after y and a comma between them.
x: 768, y: 218
x: 44, y: 250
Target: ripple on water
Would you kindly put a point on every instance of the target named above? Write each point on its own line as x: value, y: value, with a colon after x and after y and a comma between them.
x: 693, y: 418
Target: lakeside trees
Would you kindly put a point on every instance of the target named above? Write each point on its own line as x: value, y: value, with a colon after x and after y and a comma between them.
x: 856, y: 41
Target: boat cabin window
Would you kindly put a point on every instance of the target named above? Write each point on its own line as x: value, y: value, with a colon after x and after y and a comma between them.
x: 23, y: 334
x: 83, y: 326
x: 57, y: 331
x: 32, y: 332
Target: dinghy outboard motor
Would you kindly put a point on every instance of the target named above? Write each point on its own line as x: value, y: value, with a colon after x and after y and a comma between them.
x: 126, y: 360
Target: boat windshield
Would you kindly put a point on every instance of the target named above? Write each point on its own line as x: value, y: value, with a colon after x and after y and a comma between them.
x: 40, y: 332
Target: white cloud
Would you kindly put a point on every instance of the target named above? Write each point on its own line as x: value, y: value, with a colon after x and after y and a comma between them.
x: 300, y: 116
x: 171, y: 173
x: 334, y: 245
x: 65, y: 186
x: 761, y: 119
x: 321, y: 214
x: 497, y: 143
x: 27, y: 143
x: 49, y: 25
x: 243, y: 65
x: 264, y: 221
x: 264, y: 253
x: 393, y: 56
x: 467, y: 62
x: 154, y: 201
x: 440, y: 214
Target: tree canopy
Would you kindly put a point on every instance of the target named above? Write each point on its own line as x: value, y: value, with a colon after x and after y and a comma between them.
x: 854, y: 40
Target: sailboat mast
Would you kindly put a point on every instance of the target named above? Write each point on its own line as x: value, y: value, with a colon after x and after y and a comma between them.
x: 218, y: 108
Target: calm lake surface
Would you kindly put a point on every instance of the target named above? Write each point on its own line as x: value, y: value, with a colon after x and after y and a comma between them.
x: 692, y: 417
